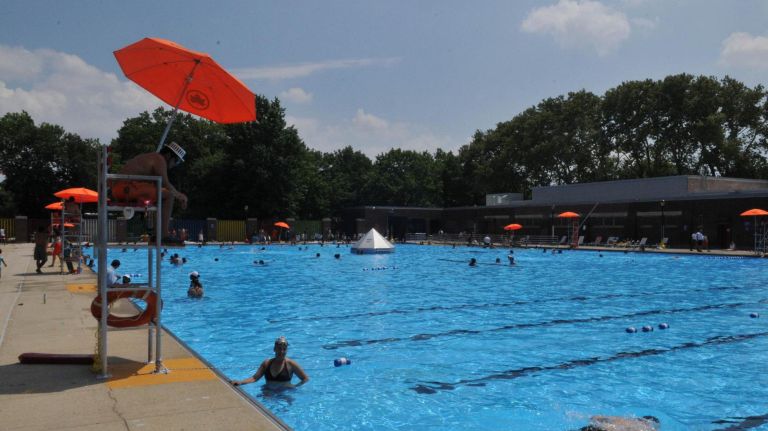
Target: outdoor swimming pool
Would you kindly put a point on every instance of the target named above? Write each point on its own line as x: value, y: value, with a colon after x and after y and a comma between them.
x: 437, y: 345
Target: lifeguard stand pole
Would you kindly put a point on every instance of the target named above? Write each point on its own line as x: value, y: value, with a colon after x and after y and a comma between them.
x: 154, y: 277
x: 101, y: 246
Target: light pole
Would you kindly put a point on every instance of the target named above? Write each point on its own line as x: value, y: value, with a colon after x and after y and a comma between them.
x: 661, y: 241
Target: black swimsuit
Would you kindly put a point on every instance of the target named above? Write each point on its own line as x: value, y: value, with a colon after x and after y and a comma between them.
x: 284, y: 375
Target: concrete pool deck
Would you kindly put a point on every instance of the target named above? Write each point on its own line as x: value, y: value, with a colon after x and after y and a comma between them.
x: 50, y: 313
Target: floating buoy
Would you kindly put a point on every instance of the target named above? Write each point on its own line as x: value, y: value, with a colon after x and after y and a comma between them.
x: 647, y: 328
x: 754, y: 315
x: 631, y: 330
x: 341, y: 361
x: 663, y: 325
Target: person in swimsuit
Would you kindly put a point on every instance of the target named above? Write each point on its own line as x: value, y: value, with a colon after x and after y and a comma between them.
x: 279, y: 369
x: 155, y: 164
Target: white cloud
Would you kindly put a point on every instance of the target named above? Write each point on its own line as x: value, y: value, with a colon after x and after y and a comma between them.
x: 744, y: 51
x: 306, y: 69
x: 369, y: 134
x: 296, y: 95
x: 582, y: 24
x: 369, y: 120
x: 62, y: 89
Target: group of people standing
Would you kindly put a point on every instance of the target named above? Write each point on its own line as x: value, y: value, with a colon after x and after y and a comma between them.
x: 59, y: 249
x: 700, y: 241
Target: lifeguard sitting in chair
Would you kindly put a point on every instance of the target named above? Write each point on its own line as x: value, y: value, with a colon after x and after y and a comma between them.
x: 154, y: 164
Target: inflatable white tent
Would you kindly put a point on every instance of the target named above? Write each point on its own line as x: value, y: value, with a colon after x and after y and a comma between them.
x: 372, y: 242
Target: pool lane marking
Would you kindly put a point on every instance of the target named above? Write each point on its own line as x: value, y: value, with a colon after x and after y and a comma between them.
x: 431, y: 387
x: 454, y: 332
x: 493, y: 304
x: 81, y: 287
x: 133, y: 375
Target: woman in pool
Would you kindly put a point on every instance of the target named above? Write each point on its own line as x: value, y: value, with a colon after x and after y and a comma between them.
x: 279, y: 369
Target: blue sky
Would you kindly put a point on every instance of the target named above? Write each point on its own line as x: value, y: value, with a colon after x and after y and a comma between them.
x: 375, y: 75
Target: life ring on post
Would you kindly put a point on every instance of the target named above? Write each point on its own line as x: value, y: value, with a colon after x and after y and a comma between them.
x: 140, y: 319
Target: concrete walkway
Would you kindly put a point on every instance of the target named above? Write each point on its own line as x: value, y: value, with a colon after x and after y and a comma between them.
x: 50, y: 313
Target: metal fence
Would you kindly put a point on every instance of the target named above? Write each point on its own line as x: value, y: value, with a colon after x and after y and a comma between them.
x: 9, y: 225
x: 230, y: 230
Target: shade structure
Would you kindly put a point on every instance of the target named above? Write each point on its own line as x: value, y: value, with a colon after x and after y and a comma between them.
x: 56, y: 206
x: 513, y: 226
x: 282, y: 224
x: 81, y: 195
x: 754, y: 212
x: 569, y: 214
x: 188, y: 80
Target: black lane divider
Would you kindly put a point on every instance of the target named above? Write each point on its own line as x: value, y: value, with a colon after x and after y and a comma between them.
x: 746, y: 423
x: 492, y: 305
x: 433, y: 387
x: 421, y: 337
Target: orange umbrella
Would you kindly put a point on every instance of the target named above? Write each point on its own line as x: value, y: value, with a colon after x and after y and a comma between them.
x: 282, y: 224
x: 754, y: 212
x: 56, y: 206
x: 81, y: 195
x: 187, y: 80
x: 569, y: 214
x: 513, y: 226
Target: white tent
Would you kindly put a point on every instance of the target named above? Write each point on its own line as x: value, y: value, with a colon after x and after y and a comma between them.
x: 372, y: 242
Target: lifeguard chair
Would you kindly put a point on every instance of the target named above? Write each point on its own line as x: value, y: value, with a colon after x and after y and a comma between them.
x: 150, y: 291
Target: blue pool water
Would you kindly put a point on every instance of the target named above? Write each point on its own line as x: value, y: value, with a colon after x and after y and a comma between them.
x: 437, y: 345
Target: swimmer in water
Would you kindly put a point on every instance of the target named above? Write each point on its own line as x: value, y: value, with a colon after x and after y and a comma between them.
x: 279, y: 369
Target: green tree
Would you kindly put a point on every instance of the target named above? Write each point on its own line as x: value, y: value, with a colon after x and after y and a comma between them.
x: 404, y: 178
x: 41, y: 160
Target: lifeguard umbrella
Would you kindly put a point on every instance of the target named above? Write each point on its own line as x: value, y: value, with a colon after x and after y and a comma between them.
x: 754, y: 212
x: 513, y: 226
x: 569, y: 214
x: 282, y: 224
x: 56, y: 206
x: 187, y: 80
x: 81, y: 194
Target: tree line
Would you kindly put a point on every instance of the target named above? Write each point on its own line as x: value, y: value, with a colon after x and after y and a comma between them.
x: 679, y: 125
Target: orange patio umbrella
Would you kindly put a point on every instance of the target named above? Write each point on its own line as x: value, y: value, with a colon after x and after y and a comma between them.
x: 187, y: 80
x: 56, y: 206
x: 282, y: 224
x: 513, y: 226
x: 81, y: 195
x: 569, y: 214
x: 755, y: 212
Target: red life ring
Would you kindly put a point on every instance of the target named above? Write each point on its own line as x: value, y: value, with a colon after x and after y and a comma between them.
x: 140, y: 319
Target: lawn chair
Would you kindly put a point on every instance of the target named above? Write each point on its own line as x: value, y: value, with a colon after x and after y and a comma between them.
x: 611, y: 242
x: 563, y: 240
x: 597, y: 241
x: 642, y: 243
x: 581, y: 241
x: 663, y: 243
